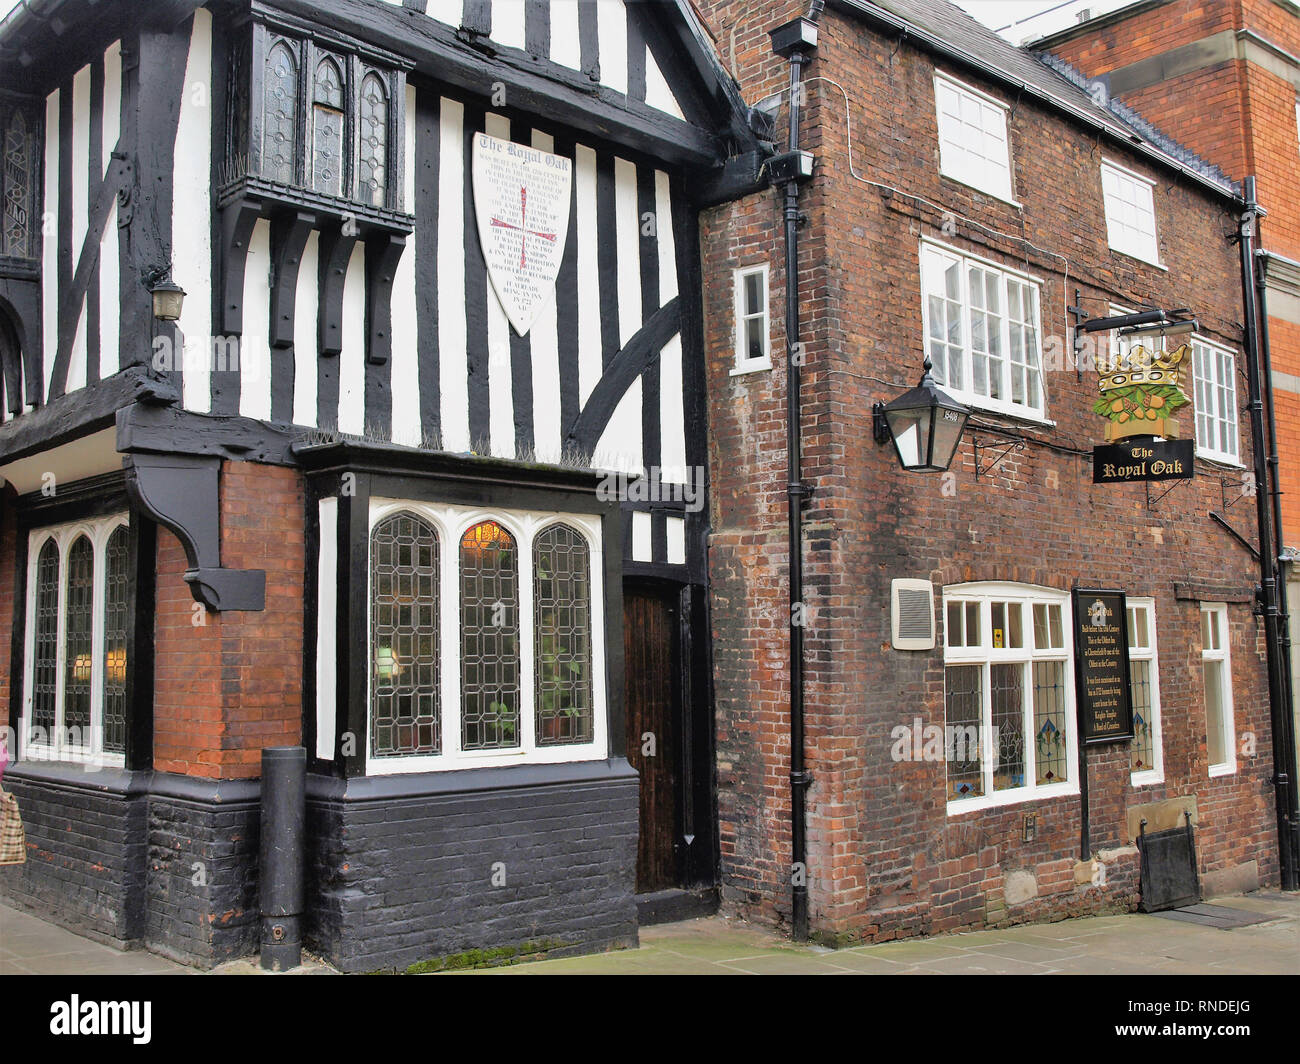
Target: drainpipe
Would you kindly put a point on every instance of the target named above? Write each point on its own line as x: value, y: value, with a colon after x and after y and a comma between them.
x: 1279, y: 694
x: 281, y: 868
x: 796, y: 40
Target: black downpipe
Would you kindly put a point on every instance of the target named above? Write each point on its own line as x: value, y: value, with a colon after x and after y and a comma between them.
x: 284, y: 809
x: 795, y: 491
x: 1281, y: 718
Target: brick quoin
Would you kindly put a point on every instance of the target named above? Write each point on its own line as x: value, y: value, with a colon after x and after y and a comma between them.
x: 233, y: 685
x: 885, y: 858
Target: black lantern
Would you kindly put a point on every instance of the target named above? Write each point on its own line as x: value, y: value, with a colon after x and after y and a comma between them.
x: 924, y: 424
x: 168, y: 299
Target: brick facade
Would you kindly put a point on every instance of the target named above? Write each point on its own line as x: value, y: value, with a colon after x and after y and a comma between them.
x: 1240, y: 114
x: 886, y: 859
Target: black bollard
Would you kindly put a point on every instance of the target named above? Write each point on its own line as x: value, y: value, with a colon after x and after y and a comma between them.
x: 284, y: 808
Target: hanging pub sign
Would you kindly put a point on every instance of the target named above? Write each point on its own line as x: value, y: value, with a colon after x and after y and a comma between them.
x: 1144, y: 459
x: 1101, y: 669
x: 1141, y: 390
x: 521, y: 198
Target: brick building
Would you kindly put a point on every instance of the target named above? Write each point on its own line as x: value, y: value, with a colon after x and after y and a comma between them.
x: 463, y: 465
x: 1224, y: 77
x: 969, y: 190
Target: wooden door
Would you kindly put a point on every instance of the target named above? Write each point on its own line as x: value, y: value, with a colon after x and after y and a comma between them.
x: 650, y: 632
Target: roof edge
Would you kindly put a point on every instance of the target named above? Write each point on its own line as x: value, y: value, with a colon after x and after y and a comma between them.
x: 1133, y: 142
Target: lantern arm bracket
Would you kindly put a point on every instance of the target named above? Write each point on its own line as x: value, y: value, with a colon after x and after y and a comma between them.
x: 182, y: 493
x: 1153, y: 504
x: 1014, y: 446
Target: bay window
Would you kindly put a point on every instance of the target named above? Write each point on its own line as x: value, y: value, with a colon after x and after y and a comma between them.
x: 1008, y: 695
x: 485, y: 638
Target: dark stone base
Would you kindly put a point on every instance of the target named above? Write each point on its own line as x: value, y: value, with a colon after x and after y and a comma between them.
x: 136, y: 859
x: 405, y: 869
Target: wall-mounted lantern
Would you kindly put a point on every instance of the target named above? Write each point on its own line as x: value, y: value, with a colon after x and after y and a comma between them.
x: 924, y: 424
x: 168, y: 299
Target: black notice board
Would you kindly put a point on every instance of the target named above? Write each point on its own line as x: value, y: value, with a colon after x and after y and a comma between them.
x: 1101, y: 672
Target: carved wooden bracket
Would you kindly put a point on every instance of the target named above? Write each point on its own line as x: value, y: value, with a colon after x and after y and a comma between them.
x: 383, y: 253
x: 182, y: 493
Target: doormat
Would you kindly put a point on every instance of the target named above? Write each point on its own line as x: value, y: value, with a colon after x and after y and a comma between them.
x: 1219, y: 916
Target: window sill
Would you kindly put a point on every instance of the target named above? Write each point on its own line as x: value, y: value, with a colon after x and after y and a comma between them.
x: 1138, y: 258
x: 252, y: 188
x: 44, y: 755
x: 1006, y: 798
x: 1217, y: 771
x: 980, y: 404
x: 1219, y: 459
x: 982, y: 191
x: 757, y: 365
x: 1146, y: 779
x: 443, y: 763
x: 16, y: 269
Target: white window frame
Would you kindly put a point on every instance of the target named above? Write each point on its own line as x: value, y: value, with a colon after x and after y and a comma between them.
x: 56, y: 747
x: 1219, y: 610
x: 1146, y: 247
x: 933, y: 254
x: 1210, y: 389
x: 1151, y: 653
x: 451, y: 523
x: 745, y: 364
x: 957, y: 157
x: 984, y: 594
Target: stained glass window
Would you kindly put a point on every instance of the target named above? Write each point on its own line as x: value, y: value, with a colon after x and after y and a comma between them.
x: 374, y: 141
x: 405, y: 713
x: 279, y: 137
x: 79, y: 623
x: 117, y: 578
x: 1050, y: 748
x: 489, y: 638
x: 963, y: 694
x: 1006, y: 664
x: 19, y: 180
x: 562, y: 636
x: 45, y: 671
x: 328, y: 121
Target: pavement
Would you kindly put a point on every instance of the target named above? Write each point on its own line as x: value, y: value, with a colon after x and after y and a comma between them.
x: 1132, y: 944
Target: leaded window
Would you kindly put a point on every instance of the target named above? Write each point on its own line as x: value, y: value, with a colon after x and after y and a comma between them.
x: 1008, y: 714
x: 45, y: 652
x: 78, y: 631
x: 328, y: 132
x: 562, y: 636
x: 78, y: 626
x: 280, y: 115
x: 306, y: 122
x: 489, y: 636
x: 373, y: 139
x: 17, y: 237
x: 405, y: 712
x: 117, y: 629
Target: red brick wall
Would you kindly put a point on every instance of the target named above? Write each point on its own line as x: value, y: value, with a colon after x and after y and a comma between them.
x: 1238, y: 115
x: 885, y: 858
x: 228, y: 688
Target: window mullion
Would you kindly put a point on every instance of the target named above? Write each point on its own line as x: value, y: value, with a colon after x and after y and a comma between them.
x: 60, y: 657
x: 1030, y: 755
x: 527, y: 651
x: 98, y: 599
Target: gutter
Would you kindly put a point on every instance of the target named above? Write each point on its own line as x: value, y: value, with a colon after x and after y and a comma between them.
x: 1131, y: 141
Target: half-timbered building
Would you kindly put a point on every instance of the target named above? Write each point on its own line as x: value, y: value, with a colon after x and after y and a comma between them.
x: 364, y: 490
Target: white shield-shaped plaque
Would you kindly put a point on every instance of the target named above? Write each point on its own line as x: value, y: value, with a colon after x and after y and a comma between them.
x: 521, y: 196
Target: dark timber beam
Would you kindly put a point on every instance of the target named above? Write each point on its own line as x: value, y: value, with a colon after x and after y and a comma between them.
x: 237, y: 222
x: 289, y: 233
x: 182, y: 492
x: 383, y: 253
x: 336, y: 248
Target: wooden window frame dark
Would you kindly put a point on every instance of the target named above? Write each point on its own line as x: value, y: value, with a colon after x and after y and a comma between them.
x: 25, y: 267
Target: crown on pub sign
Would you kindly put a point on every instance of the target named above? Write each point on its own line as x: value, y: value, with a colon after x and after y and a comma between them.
x: 1142, y: 368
